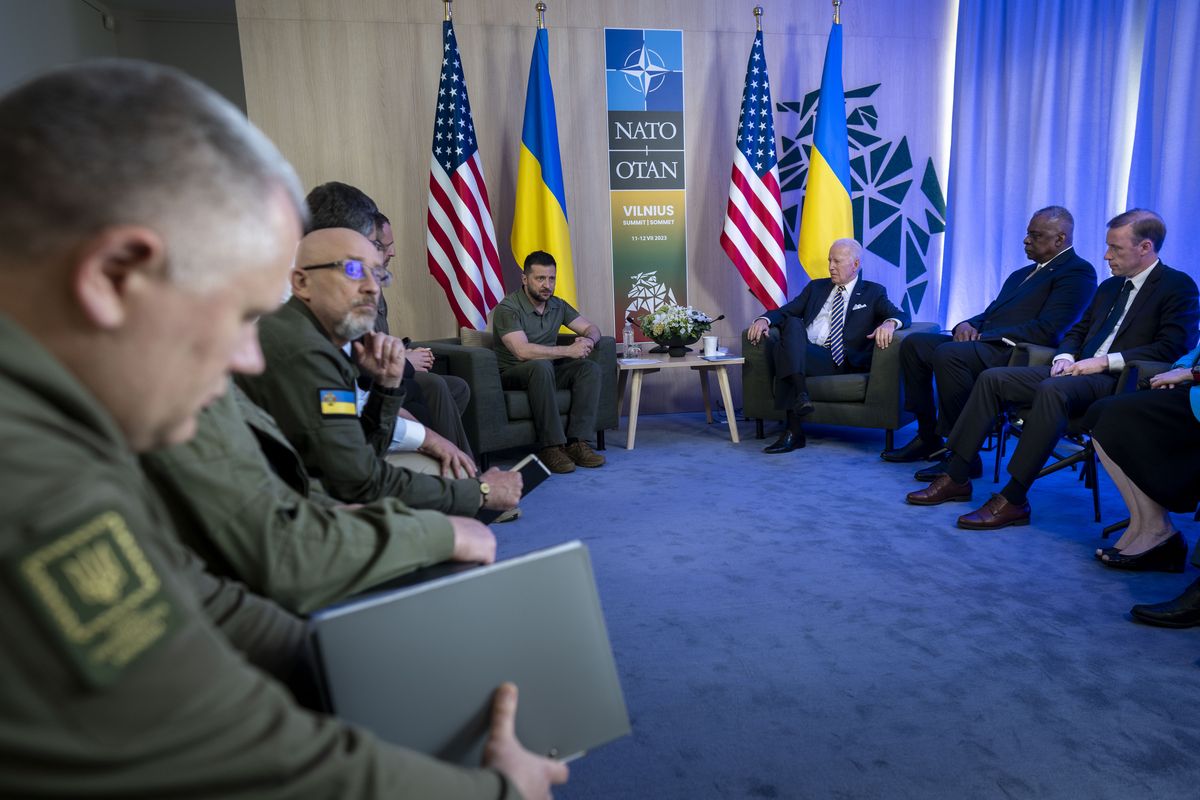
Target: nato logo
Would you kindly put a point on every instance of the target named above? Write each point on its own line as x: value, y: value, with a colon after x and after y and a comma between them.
x: 643, y: 69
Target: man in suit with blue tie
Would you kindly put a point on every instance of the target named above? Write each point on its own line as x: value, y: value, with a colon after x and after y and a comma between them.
x: 831, y: 328
x: 1036, y: 304
x: 1146, y: 311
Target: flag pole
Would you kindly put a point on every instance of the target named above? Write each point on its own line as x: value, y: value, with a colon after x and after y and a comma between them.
x: 837, y: 12
x: 541, y: 14
x: 447, y: 3
x: 758, y: 12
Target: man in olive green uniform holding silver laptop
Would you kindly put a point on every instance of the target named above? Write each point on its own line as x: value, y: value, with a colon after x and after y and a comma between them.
x: 144, y: 226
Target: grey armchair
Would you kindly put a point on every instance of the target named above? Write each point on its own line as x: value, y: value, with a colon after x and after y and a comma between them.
x: 499, y: 419
x: 868, y: 400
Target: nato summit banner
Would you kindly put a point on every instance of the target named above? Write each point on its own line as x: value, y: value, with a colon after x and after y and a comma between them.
x: 644, y: 77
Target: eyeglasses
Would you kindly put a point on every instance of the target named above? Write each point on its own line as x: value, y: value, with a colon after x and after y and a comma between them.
x: 355, y: 270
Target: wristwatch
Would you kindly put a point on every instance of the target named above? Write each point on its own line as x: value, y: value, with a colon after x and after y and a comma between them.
x: 1196, y: 373
x: 484, y: 491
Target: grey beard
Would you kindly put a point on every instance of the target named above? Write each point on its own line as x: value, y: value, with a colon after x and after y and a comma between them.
x: 350, y: 327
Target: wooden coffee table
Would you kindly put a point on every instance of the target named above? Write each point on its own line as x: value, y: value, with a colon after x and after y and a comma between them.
x: 653, y: 362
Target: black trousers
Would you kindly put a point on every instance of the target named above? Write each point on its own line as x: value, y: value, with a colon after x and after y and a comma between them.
x: 1052, y: 401
x: 956, y: 365
x: 440, y: 404
x: 796, y: 358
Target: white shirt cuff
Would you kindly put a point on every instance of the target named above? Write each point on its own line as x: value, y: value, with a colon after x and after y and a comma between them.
x: 1070, y: 359
x: 408, y: 436
x: 1116, y: 362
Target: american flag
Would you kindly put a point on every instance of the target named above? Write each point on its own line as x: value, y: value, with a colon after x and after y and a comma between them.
x: 460, y: 242
x: 753, y: 234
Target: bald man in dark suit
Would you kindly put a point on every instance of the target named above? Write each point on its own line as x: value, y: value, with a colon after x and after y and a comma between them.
x: 1037, y: 304
x: 1146, y: 311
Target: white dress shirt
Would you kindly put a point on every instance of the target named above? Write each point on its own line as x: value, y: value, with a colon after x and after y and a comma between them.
x: 818, y: 329
x: 1116, y: 362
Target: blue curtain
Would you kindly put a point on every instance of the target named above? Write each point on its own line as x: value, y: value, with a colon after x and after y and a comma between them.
x: 1040, y: 106
x: 1165, y: 169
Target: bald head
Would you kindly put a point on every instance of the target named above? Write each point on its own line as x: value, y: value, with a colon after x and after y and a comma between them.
x: 335, y: 277
x: 335, y: 244
x: 1050, y: 231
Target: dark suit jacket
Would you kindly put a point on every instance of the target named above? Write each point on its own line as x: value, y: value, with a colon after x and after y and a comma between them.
x: 866, y: 308
x: 1161, y: 322
x: 1040, y: 311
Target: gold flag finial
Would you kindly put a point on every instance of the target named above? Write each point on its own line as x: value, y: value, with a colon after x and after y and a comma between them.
x: 541, y: 12
x: 758, y: 12
x: 447, y: 3
x: 837, y: 12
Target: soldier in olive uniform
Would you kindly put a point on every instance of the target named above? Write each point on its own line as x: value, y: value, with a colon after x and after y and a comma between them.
x: 241, y: 499
x: 309, y: 385
x: 144, y: 225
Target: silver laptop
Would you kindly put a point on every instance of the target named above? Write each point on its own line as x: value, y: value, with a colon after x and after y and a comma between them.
x: 418, y: 665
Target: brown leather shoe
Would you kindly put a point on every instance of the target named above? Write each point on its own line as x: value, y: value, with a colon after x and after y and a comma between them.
x: 942, y: 490
x: 995, y: 513
x: 583, y: 455
x: 556, y: 459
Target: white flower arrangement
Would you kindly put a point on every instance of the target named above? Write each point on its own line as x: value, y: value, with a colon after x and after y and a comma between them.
x: 669, y: 321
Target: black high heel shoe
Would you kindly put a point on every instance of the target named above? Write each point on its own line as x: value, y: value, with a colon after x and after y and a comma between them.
x: 1170, y: 556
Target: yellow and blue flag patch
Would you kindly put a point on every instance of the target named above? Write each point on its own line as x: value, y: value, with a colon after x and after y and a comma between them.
x: 337, y: 403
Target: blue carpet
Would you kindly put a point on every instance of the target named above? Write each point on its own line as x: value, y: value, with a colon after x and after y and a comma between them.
x: 787, y: 627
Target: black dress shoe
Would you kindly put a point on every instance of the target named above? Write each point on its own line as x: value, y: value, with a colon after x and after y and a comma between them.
x: 1166, y: 557
x: 1182, y: 612
x: 916, y: 450
x: 803, y: 406
x: 931, y: 472
x: 786, y: 443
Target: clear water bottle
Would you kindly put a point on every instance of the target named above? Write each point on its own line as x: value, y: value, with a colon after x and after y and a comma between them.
x: 627, y: 338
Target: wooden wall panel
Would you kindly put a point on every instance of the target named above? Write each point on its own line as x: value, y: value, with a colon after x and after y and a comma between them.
x: 347, y: 88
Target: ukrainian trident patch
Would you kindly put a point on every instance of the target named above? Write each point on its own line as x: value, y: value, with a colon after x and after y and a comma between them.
x: 102, y: 598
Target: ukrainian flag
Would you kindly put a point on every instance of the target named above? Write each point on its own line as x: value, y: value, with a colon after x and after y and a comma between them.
x: 540, y: 217
x: 827, y: 213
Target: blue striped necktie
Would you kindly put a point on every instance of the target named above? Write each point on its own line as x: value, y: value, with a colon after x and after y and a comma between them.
x: 836, y: 319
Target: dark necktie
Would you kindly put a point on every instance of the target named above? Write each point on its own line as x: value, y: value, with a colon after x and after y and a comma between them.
x: 1110, y: 322
x: 837, y: 313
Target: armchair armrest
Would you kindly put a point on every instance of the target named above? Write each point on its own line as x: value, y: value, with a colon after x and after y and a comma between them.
x: 1137, y: 371
x: 605, y: 354
x: 883, y: 387
x: 1031, y: 355
x: 758, y: 401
